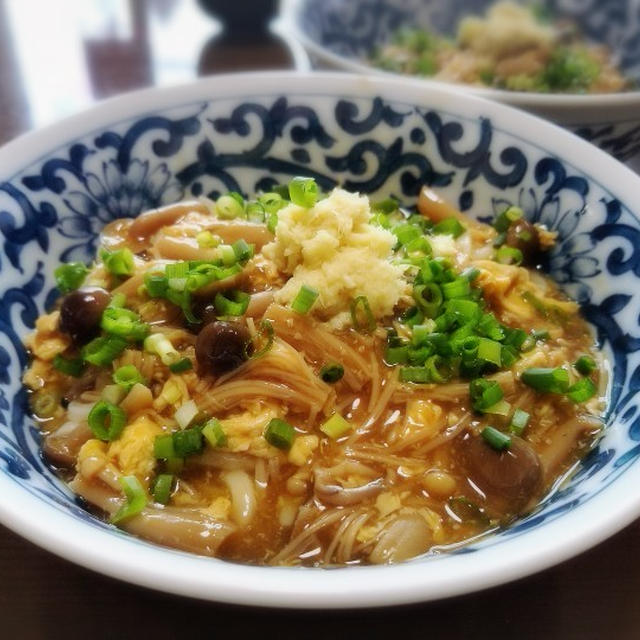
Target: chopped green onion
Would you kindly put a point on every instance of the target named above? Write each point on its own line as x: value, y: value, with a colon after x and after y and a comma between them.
x: 360, y: 307
x: 464, y: 310
x: 509, y: 215
x: 162, y: 488
x: 127, y: 376
x: 69, y: 366
x: 418, y: 375
x: 303, y: 192
x: 214, y: 433
x: 509, y: 255
x: 185, y: 414
x: 450, y: 227
x: 490, y: 351
x: 547, y: 379
x: 331, y: 373
x: 163, y: 448
x: 304, y: 299
x: 583, y: 390
x: 156, y: 284
x: 70, y: 276
x: 273, y: 202
x: 519, y: 421
x: 500, y: 408
x: 272, y: 222
x: 397, y: 355
x: 515, y: 337
x: 255, y: 212
x: 459, y: 288
x: 412, y: 316
x: 136, y: 499
x: 119, y: 263
x: 438, y: 369
x: 388, y: 205
x: 540, y: 334
x: 45, y: 404
x: 124, y: 323
x: 490, y: 327
x: 585, y: 365
x: 233, y: 303
x: 335, y: 427
x: 228, y: 207
x: 187, y: 442
x: 428, y: 297
x: 509, y: 356
x: 279, y: 433
x: 206, y: 240
x: 470, y: 273
x: 484, y: 393
x: 265, y: 335
x: 118, y: 300
x: 242, y: 250
x: 113, y: 393
x: 227, y: 255
x: 179, y: 366
x: 176, y: 270
x: 106, y: 420
x: 159, y: 344
x: 406, y: 233
x: 103, y: 351
x: 496, y: 439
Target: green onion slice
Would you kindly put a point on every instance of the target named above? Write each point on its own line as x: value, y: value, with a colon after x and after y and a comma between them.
x: 179, y: 366
x: 335, y: 427
x: 70, y: 276
x: 495, y: 439
x: 449, y: 226
x: 69, y: 366
x: 519, y: 421
x: 214, y: 433
x: 585, y: 365
x: 124, y: 323
x: 265, y: 337
x: 331, y: 373
x: 103, y: 351
x: 233, y: 303
x: 119, y: 263
x: 187, y: 442
x: 106, y: 420
x: 136, y: 499
x: 583, y: 390
x: 279, y: 433
x: 484, y: 393
x: 546, y: 379
x: 304, y: 299
x: 162, y: 488
x: 361, y: 315
x: 127, y: 376
x: 303, y: 192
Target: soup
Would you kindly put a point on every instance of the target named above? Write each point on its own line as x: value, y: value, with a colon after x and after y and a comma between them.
x: 512, y: 47
x: 314, y: 379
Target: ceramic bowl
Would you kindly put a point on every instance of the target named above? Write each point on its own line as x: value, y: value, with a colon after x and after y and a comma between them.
x: 382, y: 136
x: 341, y: 34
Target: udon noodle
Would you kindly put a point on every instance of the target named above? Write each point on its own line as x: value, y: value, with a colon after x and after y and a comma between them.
x: 314, y: 379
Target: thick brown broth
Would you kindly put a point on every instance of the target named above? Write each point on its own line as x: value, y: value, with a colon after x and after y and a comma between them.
x: 411, y: 473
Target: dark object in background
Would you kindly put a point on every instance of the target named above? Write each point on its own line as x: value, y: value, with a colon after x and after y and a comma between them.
x: 246, y: 25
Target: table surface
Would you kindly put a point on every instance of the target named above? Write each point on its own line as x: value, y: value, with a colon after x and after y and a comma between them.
x: 99, y: 48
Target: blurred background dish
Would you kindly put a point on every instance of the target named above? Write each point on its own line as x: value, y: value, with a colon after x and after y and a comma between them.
x: 351, y: 35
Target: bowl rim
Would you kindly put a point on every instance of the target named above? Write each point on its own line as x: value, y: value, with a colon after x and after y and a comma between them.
x: 121, y: 556
x: 621, y: 102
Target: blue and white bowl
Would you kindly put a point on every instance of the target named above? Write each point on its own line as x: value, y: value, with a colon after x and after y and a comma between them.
x: 342, y: 34
x: 382, y: 136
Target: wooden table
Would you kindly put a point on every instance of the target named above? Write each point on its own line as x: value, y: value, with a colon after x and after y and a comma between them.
x: 74, y: 54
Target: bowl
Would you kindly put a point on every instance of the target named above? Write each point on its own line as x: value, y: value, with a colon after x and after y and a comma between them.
x: 383, y: 136
x: 341, y: 34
